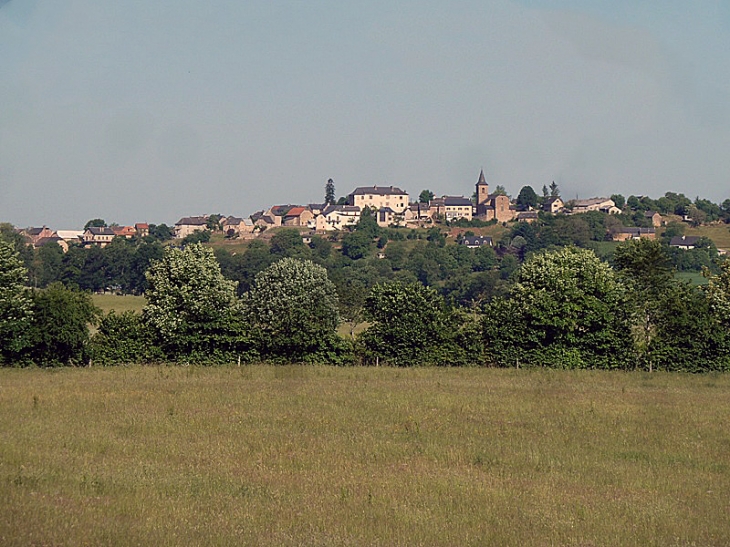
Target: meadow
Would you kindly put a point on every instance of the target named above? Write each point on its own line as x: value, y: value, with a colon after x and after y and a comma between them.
x: 119, y: 303
x: 306, y: 455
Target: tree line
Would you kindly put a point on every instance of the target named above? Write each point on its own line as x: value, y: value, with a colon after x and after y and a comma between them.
x: 562, y: 307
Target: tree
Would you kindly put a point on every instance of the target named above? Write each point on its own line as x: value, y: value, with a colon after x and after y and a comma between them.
x: 329, y: 192
x: 527, y: 198
x: 554, y: 190
x: 213, y: 222
x: 644, y: 266
x: 293, y: 305
x: 15, y: 304
x: 59, y: 334
x: 17, y: 242
x: 123, y: 339
x: 95, y: 223
x: 410, y: 325
x: 718, y: 293
x: 161, y: 232
x: 198, y: 236
x: 566, y: 309
x: 619, y: 200
x: 356, y: 245
x: 545, y: 193
x: 287, y: 242
x: 425, y: 196
x: 193, y: 310
x: 499, y: 190
x: 48, y: 264
x: 688, y: 335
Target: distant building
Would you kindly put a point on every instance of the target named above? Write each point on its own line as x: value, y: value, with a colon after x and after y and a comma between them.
x: 527, y: 216
x: 52, y: 240
x: 451, y: 208
x: 492, y: 206
x: 142, y: 228
x: 235, y: 226
x: 684, y: 242
x: 553, y: 204
x: 297, y: 216
x: 634, y: 233
x: 188, y: 225
x: 654, y: 217
x: 376, y: 197
x: 126, y: 232
x: 477, y: 241
x: 71, y: 236
x: 336, y: 217
x: 98, y: 236
x: 36, y: 234
x: 605, y: 205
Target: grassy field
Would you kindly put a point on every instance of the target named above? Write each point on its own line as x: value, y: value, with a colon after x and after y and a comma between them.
x: 118, y: 303
x: 718, y: 233
x: 263, y: 455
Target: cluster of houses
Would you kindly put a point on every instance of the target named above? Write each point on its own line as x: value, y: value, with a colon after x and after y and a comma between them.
x: 391, y: 205
x: 392, y: 208
x: 92, y: 236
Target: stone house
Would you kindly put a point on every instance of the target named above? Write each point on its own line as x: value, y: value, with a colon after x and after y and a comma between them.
x: 98, y: 236
x: 188, y: 225
x: 654, y: 217
x: 605, y: 205
x: 451, y: 208
x: 297, y: 216
x: 553, y: 205
x: 634, y: 233
x: 336, y: 217
x: 376, y: 197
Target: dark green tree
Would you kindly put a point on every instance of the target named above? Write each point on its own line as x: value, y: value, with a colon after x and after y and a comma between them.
x: 161, y: 232
x: 329, y: 192
x: 619, y: 200
x: 356, y: 245
x: 411, y: 325
x: 645, y: 268
x: 527, y: 198
x: 60, y: 330
x: 198, y: 236
x: 288, y: 242
x: 95, y: 223
x: 213, y: 222
x: 123, y: 339
x: 425, y: 196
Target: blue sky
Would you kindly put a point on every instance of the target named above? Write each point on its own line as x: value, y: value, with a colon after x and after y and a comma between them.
x: 149, y: 111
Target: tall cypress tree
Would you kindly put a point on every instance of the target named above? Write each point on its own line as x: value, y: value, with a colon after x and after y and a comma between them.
x: 329, y: 192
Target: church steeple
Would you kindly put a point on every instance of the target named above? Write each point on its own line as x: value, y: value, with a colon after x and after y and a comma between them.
x: 482, y: 179
x: 482, y: 190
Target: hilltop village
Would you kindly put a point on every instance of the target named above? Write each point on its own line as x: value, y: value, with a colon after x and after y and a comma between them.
x: 393, y: 207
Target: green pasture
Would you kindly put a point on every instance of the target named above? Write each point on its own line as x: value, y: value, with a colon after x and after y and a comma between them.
x: 304, y: 455
x: 118, y: 303
x: 718, y: 233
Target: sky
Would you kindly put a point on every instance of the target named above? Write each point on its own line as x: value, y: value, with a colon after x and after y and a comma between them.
x: 141, y: 111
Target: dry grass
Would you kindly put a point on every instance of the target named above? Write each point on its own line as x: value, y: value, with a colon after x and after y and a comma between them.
x: 293, y: 455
